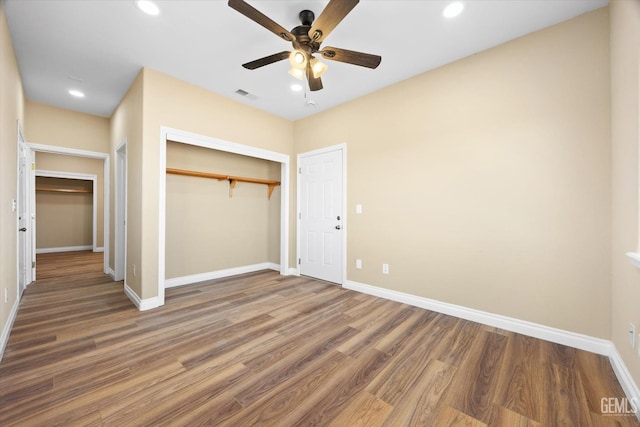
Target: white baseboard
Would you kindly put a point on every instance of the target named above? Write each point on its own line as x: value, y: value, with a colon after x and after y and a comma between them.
x: 559, y: 336
x: 201, y: 277
x: 572, y: 339
x: 111, y: 273
x: 64, y: 249
x: 100, y: 249
x: 6, y: 331
x: 624, y: 376
x: 293, y: 272
x: 146, y: 304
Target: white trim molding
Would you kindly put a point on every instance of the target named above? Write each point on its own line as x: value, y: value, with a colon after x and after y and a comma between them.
x: 559, y: 336
x: 184, y: 137
x: 4, y: 338
x: 64, y: 249
x: 219, y: 274
x: 94, y: 197
x: 624, y: 376
x: 293, y: 272
x: 142, y: 304
x: 105, y: 185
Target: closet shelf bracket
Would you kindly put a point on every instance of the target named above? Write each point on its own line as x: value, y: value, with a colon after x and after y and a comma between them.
x: 233, y: 180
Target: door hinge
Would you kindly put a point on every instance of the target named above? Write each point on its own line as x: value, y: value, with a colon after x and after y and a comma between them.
x: 33, y: 264
x: 299, y: 215
x: 300, y: 171
x: 299, y: 261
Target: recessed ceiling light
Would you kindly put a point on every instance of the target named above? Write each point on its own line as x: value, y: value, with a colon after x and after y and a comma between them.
x: 76, y: 93
x: 148, y: 7
x: 296, y: 87
x: 454, y: 9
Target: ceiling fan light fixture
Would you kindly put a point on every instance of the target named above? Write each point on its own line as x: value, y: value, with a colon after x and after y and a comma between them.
x: 318, y: 67
x: 297, y: 73
x: 298, y: 59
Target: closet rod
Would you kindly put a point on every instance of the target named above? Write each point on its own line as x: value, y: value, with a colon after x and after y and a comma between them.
x: 63, y: 190
x: 231, y: 178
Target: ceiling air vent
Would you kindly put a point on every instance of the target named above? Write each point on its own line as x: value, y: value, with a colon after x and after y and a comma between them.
x: 246, y: 94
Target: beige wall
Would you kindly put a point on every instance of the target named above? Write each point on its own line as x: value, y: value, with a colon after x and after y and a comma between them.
x: 63, y: 219
x: 11, y: 110
x: 206, y: 230
x: 126, y: 125
x: 83, y: 165
x: 625, y: 126
x: 49, y: 125
x: 486, y: 183
x: 176, y: 104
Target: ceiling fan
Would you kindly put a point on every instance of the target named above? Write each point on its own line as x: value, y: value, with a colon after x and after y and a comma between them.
x: 306, y: 40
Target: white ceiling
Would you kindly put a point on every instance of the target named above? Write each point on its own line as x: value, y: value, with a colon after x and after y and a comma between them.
x: 99, y: 46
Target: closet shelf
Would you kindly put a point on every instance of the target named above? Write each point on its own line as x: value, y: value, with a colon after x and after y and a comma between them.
x: 63, y: 190
x: 233, y: 180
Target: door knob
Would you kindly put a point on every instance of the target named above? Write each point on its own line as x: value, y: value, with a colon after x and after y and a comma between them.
x: 337, y: 227
x: 22, y: 229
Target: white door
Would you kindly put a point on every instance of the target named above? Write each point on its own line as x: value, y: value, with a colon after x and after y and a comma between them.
x: 23, y: 220
x: 321, y: 215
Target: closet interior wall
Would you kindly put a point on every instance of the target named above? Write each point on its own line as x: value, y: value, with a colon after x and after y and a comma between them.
x: 210, y: 229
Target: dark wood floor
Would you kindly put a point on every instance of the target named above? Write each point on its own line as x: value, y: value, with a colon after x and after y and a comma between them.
x: 261, y: 349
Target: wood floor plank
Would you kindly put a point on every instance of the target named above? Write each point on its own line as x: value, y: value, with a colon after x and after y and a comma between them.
x: 365, y: 410
x: 269, y: 350
x: 422, y: 404
x: 450, y: 417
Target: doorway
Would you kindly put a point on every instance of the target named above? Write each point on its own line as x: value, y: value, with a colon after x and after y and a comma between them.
x: 120, y: 262
x: 67, y: 212
x: 26, y: 251
x: 41, y: 148
x: 321, y: 214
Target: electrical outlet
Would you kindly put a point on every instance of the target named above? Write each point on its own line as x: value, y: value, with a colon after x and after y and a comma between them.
x: 359, y: 264
x: 385, y: 268
x: 358, y: 208
x: 134, y: 270
x: 632, y: 335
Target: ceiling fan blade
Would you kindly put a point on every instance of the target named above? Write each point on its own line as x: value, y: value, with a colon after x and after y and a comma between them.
x: 262, y: 19
x: 330, y: 17
x: 266, y: 60
x: 351, y: 57
x: 315, y: 83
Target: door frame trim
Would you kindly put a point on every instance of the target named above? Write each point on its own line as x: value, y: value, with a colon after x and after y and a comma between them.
x: 190, y: 138
x: 22, y: 196
x: 120, y: 212
x: 343, y: 149
x: 94, y: 197
x: 105, y: 185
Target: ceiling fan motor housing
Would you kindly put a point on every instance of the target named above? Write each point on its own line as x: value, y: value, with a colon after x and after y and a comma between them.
x: 307, y: 17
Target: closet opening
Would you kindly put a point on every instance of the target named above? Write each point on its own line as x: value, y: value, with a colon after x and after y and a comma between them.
x: 224, y: 209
